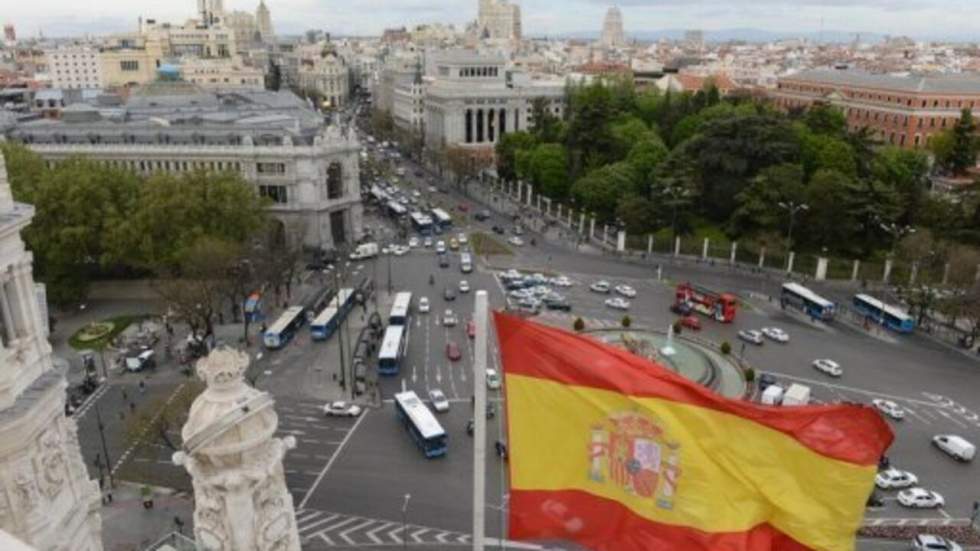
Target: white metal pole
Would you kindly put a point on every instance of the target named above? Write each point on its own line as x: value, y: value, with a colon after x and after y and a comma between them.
x: 480, y: 311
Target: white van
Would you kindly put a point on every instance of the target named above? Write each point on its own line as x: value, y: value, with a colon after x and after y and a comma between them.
x: 772, y: 395
x: 364, y: 250
x: 796, y: 395
x: 956, y: 446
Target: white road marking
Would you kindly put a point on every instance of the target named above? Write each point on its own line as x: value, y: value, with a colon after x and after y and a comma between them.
x: 944, y: 513
x: 952, y: 419
x: 913, y: 413
x: 333, y: 458
x: 853, y: 389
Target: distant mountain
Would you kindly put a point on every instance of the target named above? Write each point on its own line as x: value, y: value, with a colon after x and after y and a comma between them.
x: 740, y: 35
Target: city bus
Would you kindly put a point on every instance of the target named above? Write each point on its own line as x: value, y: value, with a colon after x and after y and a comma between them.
x: 344, y: 301
x: 392, y: 350
x: 421, y: 424
x: 421, y: 223
x: 441, y: 218
x: 396, y: 209
x: 401, y: 308
x: 891, y: 317
x: 284, y: 328
x: 806, y: 301
x: 325, y: 324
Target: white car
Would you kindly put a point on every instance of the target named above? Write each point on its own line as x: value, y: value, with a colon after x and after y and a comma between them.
x: 618, y: 303
x: 449, y: 319
x: 751, y: 335
x: 920, y: 498
x: 626, y: 291
x: 416, y: 194
x: 341, y: 409
x: 830, y: 367
x: 889, y: 408
x: 441, y: 247
x: 462, y: 239
x: 427, y: 242
x: 601, y: 286
x: 511, y: 274
x: 413, y: 242
x: 433, y: 189
x: 464, y: 286
x: 929, y: 542
x: 894, y: 478
x: 385, y: 250
x: 561, y: 281
x: 439, y: 401
x: 955, y: 446
x: 516, y: 241
x: 493, y: 380
x: 424, y: 305
x: 775, y: 334
x: 399, y: 250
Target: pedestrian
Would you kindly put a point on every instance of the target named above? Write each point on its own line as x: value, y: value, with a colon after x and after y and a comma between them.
x: 142, y: 386
x: 132, y: 407
x: 125, y: 395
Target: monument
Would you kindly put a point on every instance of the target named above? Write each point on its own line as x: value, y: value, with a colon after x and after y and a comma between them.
x: 46, y: 498
x: 235, y: 461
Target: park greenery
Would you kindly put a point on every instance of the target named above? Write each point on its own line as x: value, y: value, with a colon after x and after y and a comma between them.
x: 204, y: 238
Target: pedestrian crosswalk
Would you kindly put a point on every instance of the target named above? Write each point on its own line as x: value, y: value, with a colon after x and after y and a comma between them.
x: 565, y: 320
x: 323, y: 529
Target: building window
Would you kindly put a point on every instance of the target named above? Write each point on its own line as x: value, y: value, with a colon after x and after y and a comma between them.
x: 270, y: 168
x: 129, y: 65
x: 335, y: 181
x: 276, y: 193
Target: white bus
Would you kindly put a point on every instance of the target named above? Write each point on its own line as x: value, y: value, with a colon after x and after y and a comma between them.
x: 400, y: 309
x: 284, y: 328
x: 396, y: 209
x: 421, y: 223
x: 442, y: 218
x: 392, y: 350
x: 325, y: 324
x: 806, y: 301
x: 890, y: 316
x: 421, y: 424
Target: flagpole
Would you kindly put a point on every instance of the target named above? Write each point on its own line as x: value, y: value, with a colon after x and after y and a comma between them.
x: 480, y: 311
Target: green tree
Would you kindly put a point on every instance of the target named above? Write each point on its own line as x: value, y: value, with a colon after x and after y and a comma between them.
x: 548, y: 164
x: 820, y: 151
x: 638, y: 213
x: 906, y: 172
x: 25, y: 170
x: 464, y: 165
x: 758, y: 207
x: 507, y: 149
x: 627, y: 132
x: 547, y: 127
x: 828, y: 225
x: 822, y: 118
x: 589, y: 138
x: 599, y: 191
x: 645, y: 156
x: 964, y: 154
x: 941, y: 145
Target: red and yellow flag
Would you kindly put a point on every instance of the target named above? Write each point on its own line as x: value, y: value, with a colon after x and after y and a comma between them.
x: 615, y: 452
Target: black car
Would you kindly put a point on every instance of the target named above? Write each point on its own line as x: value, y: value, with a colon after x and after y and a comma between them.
x: 449, y: 294
x: 482, y: 215
x: 443, y: 261
x: 557, y: 303
x: 499, y: 230
x: 766, y: 380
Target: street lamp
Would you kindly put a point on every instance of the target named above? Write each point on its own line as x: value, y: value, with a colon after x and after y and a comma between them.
x: 792, y: 207
x: 678, y: 195
x: 404, y: 521
x: 897, y: 232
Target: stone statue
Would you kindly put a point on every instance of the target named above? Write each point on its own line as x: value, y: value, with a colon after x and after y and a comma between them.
x: 235, y: 461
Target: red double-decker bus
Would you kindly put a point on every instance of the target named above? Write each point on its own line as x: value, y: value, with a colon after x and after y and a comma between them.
x: 719, y: 306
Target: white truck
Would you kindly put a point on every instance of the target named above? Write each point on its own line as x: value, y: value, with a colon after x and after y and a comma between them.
x: 364, y: 250
x: 796, y: 395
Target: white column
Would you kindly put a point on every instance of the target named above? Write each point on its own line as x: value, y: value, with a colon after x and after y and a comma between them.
x: 479, y: 420
x: 855, y: 269
x: 569, y: 218
x: 650, y: 244
x: 704, y: 248
x: 762, y: 257
x: 789, y: 261
x: 821, y: 273
x: 914, y: 273
x: 734, y: 250
x: 592, y: 228
x: 621, y: 241
x: 677, y: 245
x: 530, y: 194
x: 605, y: 233
x: 946, y: 273
x: 8, y: 320
x: 581, y: 230
x: 558, y: 210
x: 888, y: 270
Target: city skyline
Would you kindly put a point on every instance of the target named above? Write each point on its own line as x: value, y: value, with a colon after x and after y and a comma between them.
x: 896, y: 17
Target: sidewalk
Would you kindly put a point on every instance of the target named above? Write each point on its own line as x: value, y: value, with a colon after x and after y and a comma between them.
x: 128, y: 526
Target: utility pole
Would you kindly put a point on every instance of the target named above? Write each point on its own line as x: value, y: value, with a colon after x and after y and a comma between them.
x: 340, y: 330
x: 793, y: 207
x: 105, y: 449
x: 405, y: 521
x: 480, y: 311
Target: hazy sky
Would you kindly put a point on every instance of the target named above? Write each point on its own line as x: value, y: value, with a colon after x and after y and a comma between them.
x: 923, y: 18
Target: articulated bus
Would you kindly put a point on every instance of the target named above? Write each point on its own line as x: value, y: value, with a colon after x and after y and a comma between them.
x: 806, y: 301
x: 891, y: 317
x: 400, y: 310
x: 423, y: 427
x: 327, y: 321
x: 283, y: 330
x: 392, y: 350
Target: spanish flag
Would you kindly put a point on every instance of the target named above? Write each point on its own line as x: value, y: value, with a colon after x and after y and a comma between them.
x: 614, y: 452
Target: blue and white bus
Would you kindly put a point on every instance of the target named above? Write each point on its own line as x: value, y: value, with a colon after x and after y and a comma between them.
x: 325, y: 324
x: 806, y: 301
x: 401, y: 309
x: 891, y: 317
x: 421, y: 424
x: 421, y: 223
x: 396, y: 209
x: 392, y: 350
x: 441, y: 218
x: 344, y: 301
x: 283, y: 330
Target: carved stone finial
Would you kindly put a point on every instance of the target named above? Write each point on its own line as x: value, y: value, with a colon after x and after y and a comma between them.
x: 223, y: 369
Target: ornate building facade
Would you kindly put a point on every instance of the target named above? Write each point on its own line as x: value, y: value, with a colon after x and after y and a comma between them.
x: 498, y: 19
x: 46, y: 497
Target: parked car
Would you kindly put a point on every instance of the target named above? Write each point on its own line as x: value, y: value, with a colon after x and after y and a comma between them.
x: 601, y: 286
x: 930, y: 542
x: 618, y: 303
x: 516, y: 241
x: 751, y: 335
x: 920, y: 498
x: 625, y: 290
x: 889, y: 408
x: 341, y: 409
x: 498, y: 230
x: 449, y: 318
x: 775, y: 334
x: 482, y: 215
x: 830, y: 367
x: 894, y: 478
x: 691, y: 322
x: 561, y: 281
x: 452, y: 351
x: 493, y: 380
x: 955, y: 446
x: 424, y: 305
x: 556, y: 302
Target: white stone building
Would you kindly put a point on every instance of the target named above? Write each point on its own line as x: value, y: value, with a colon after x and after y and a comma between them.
x: 498, y: 19
x: 46, y: 498
x: 74, y: 67
x: 612, y: 29
x: 327, y: 74
x: 222, y: 73
x: 263, y: 20
x: 473, y: 99
x: 308, y: 170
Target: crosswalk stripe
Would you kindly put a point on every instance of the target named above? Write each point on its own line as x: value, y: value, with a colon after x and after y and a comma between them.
x: 307, y: 528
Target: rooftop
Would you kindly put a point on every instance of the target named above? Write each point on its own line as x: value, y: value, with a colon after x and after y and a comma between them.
x: 967, y: 83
